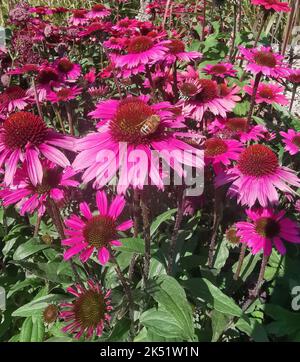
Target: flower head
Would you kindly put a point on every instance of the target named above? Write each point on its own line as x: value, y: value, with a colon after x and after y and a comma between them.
x: 63, y: 94
x: 265, y: 61
x: 98, y: 232
x: 217, y: 150
x: 131, y: 135
x: 208, y: 95
x: 267, y: 93
x: 67, y: 69
x: 291, y: 138
x: 30, y: 198
x: 257, y: 175
x: 267, y: 228
x: 88, y: 312
x: 98, y: 11
x: 13, y: 98
x: 220, y: 70
x: 177, y: 51
x: 24, y: 136
x: 273, y: 5
x: 141, y: 49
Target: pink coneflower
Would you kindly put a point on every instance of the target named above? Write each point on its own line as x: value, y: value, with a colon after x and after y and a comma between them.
x: 98, y: 11
x: 268, y: 93
x: 90, y: 76
x: 141, y: 50
x: 221, y: 70
x: 177, y: 52
x: 79, y: 17
x: 257, y: 175
x: 291, y: 138
x: 217, y: 150
x: 30, y: 198
x: 63, y: 94
x: 207, y: 95
x: 98, y: 92
x: 237, y: 127
x: 93, y: 30
x: 25, y: 137
x: 126, y: 25
x: 275, y: 5
x: 95, y: 232
x: 267, y: 228
x: 263, y: 60
x: 89, y: 312
x: 47, y: 78
x: 115, y: 43
x: 120, y: 133
x: 67, y: 69
x: 294, y: 76
x: 13, y: 98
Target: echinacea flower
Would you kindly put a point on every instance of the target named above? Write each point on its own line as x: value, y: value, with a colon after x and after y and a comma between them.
x: 24, y: 136
x: 67, y: 69
x: 121, y: 138
x: 177, y: 52
x: 291, y: 138
x: 274, y: 5
x: 30, y: 198
x: 63, y: 94
x: 98, y: 11
x: 294, y: 76
x: 257, y: 175
x: 98, y: 233
x: 221, y: 70
x: 47, y: 78
x: 237, y: 128
x: 264, y: 60
x: 79, y: 17
x: 88, y: 312
x: 13, y: 98
x: 267, y: 229
x: 268, y: 93
x: 206, y: 95
x: 141, y: 49
x: 217, y: 150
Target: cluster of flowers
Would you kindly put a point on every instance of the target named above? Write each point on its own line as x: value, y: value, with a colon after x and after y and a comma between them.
x: 150, y: 94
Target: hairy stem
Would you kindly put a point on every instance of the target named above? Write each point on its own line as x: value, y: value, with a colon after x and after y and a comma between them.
x: 127, y: 291
x: 253, y: 97
x: 240, y: 262
x: 180, y: 204
x: 146, y: 230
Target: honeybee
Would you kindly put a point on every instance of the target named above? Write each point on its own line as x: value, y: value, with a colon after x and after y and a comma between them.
x: 150, y: 125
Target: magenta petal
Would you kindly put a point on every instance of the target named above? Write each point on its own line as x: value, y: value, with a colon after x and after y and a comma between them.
x: 103, y: 255
x: 116, y: 243
x: 74, y: 250
x: 116, y: 206
x: 125, y: 225
x: 101, y: 201
x: 11, y: 167
x: 86, y: 212
x: 34, y: 166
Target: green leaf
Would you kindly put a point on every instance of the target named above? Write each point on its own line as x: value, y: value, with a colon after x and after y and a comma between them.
x: 26, y: 330
x: 171, y: 296
x: 132, y: 245
x: 162, y: 323
x: 38, y: 330
x: 160, y: 219
x: 219, y: 322
x: 216, y: 299
x: 222, y: 254
x: 242, y: 108
x: 36, y: 306
x: 29, y: 248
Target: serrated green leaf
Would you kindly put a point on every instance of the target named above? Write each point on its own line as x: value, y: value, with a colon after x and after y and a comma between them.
x: 213, y: 296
